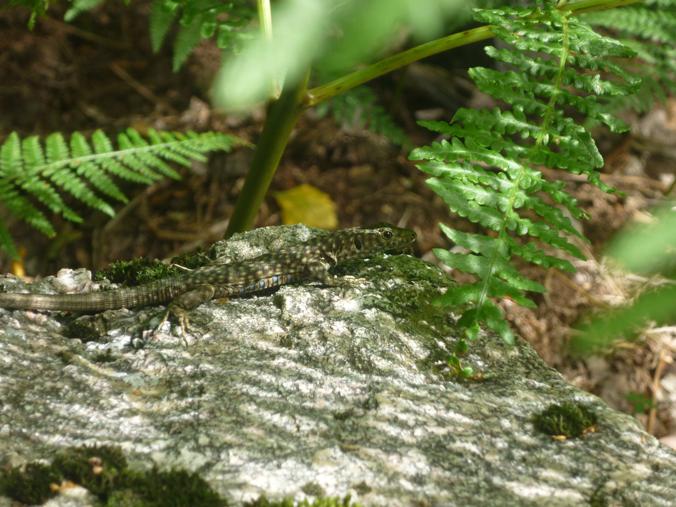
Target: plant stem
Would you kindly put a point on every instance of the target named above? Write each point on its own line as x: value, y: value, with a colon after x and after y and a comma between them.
x: 281, y: 118
x: 394, y: 62
x: 597, y: 5
x: 265, y: 22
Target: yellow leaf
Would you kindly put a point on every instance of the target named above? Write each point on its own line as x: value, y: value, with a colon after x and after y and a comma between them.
x: 18, y: 267
x: 308, y: 205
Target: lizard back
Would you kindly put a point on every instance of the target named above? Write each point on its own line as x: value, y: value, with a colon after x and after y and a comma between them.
x: 310, y: 260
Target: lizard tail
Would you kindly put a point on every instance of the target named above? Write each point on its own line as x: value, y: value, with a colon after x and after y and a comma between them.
x: 86, y: 302
x: 65, y: 302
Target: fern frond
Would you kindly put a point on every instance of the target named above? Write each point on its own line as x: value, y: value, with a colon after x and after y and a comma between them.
x: 162, y: 16
x: 359, y: 107
x: 649, y: 30
x: 38, y: 9
x: 80, y: 6
x: 34, y: 170
x: 228, y: 22
x: 658, y: 25
x: 189, y: 35
x: 556, y: 70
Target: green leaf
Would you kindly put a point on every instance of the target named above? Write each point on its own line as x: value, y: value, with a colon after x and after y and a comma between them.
x: 359, y: 108
x: 188, y: 37
x: 468, y: 263
x: 648, y: 249
x: 476, y: 243
x: 7, y: 244
x: 228, y: 22
x: 658, y: 305
x: 161, y: 19
x: 10, y: 155
x: 86, y: 169
x: 80, y: 6
x: 495, y: 320
x: 476, y: 213
x: 460, y: 295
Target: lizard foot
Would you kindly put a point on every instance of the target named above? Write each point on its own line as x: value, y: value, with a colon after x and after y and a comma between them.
x: 181, y: 306
x: 181, y: 316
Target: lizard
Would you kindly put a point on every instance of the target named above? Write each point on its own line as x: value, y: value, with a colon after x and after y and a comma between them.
x: 309, y: 261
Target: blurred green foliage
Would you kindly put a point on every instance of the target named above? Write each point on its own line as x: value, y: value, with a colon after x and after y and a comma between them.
x: 335, y: 36
x: 648, y: 250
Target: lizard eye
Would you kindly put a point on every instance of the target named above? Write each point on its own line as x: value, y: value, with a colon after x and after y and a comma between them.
x: 387, y: 234
x: 358, y: 244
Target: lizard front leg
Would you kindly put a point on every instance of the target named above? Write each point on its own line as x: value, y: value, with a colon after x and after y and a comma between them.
x: 318, y: 269
x: 182, y: 304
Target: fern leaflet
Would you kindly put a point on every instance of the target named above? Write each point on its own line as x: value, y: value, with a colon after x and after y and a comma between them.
x: 80, y: 6
x: 650, y: 30
x: 228, y: 22
x: 360, y: 108
x: 84, y: 169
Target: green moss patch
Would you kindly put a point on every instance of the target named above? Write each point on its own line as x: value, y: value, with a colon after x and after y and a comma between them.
x: 288, y: 502
x: 566, y: 420
x: 136, y: 271
x: 173, y: 488
x: 99, y: 469
x: 139, y: 270
x: 33, y: 484
x: 103, y: 471
x: 193, y: 260
x: 84, y: 329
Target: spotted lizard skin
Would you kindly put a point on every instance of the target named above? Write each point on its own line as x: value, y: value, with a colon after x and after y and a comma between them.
x: 310, y: 261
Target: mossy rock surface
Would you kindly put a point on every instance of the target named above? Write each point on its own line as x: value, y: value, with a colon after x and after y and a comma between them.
x: 318, y: 390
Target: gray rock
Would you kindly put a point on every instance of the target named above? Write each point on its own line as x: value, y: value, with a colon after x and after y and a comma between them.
x: 317, y: 390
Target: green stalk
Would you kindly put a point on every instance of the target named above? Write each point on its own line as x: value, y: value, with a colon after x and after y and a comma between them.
x: 394, y: 62
x: 585, y: 6
x: 265, y: 22
x: 265, y: 18
x: 281, y: 118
